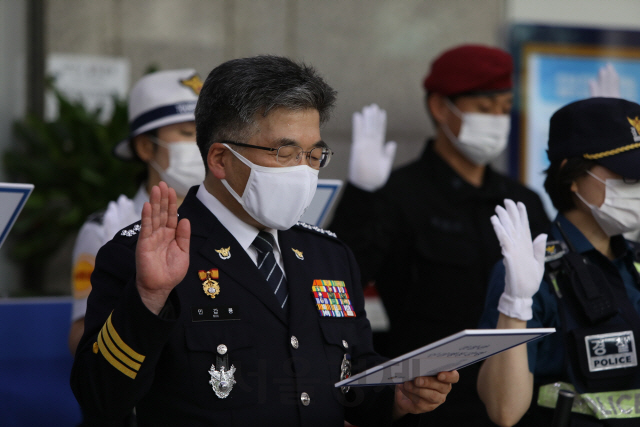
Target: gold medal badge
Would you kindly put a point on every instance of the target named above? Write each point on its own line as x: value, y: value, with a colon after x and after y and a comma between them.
x: 298, y: 254
x: 210, y: 286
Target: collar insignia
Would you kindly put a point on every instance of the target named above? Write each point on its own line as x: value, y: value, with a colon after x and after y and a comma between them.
x: 224, y: 252
x: 194, y: 83
x: 298, y: 254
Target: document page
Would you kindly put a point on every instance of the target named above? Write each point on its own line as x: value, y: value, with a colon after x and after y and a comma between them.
x: 12, y: 199
x: 453, y: 352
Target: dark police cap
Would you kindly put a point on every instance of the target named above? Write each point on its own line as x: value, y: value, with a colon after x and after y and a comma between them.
x: 468, y: 69
x: 605, y: 130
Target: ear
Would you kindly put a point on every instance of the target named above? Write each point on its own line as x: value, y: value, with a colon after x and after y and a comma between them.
x: 437, y: 105
x: 216, y: 160
x: 144, y: 147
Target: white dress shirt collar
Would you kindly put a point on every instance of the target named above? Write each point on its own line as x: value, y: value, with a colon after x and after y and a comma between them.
x: 244, y: 233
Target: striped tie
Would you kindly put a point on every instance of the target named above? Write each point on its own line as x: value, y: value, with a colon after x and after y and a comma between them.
x: 269, y: 267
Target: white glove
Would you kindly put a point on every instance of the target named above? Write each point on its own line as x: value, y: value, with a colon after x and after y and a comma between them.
x: 523, y: 260
x: 118, y: 215
x: 371, y: 159
x: 608, y: 83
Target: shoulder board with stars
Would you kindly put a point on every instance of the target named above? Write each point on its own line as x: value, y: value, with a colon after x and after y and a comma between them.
x: 131, y: 231
x: 316, y: 229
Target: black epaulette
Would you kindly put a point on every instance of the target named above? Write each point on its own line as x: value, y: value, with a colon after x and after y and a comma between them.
x: 97, y: 217
x: 316, y: 229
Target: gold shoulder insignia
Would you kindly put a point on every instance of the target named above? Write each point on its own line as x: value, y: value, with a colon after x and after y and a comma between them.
x: 194, y: 83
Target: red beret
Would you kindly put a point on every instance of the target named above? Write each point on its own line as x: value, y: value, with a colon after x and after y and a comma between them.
x: 470, y: 68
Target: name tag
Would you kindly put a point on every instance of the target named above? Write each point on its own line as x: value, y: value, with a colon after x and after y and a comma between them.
x: 611, y: 351
x: 209, y: 314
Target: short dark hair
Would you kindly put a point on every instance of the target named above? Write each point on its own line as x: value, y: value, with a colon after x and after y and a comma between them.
x: 560, y: 177
x: 237, y: 90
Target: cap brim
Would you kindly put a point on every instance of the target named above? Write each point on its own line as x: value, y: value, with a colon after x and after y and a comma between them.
x: 626, y: 164
x: 123, y: 151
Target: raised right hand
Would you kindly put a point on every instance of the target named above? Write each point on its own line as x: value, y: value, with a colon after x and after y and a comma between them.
x: 371, y: 158
x: 608, y: 83
x: 162, y: 253
x: 523, y: 259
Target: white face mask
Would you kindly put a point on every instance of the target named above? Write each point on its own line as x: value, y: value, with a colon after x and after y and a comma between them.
x: 620, y: 211
x: 276, y: 197
x: 186, y: 168
x: 482, y: 137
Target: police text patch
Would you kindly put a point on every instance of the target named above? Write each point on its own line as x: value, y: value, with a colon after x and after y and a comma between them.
x: 614, y: 350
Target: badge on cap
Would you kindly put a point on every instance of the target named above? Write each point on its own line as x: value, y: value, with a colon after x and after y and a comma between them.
x: 194, y: 83
x: 332, y: 298
x: 298, y: 254
x: 209, y: 286
x: 222, y: 381
x: 224, y: 252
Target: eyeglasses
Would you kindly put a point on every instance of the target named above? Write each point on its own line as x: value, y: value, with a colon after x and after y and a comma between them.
x: 291, y: 155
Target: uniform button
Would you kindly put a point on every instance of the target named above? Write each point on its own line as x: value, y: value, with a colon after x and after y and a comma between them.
x: 304, y: 397
x: 222, y: 349
x: 345, y: 344
x: 294, y: 341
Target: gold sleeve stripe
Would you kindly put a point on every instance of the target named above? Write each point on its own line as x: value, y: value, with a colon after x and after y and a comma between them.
x: 117, y: 353
x: 112, y: 360
x: 611, y: 152
x: 125, y: 348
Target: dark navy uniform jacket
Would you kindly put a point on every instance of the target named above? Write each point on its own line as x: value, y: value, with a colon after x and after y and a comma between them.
x: 129, y: 357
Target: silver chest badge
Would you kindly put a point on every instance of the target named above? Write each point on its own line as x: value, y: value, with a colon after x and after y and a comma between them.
x: 222, y: 381
x: 345, y: 369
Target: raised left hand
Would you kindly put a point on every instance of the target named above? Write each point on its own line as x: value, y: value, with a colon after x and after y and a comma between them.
x: 423, y: 394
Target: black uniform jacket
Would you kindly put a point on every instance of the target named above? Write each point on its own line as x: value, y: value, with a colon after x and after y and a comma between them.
x: 427, y: 241
x: 160, y: 364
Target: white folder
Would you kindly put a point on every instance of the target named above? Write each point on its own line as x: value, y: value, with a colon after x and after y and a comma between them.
x: 453, y: 352
x: 12, y: 200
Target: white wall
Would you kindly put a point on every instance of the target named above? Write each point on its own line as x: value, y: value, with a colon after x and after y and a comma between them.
x: 615, y: 14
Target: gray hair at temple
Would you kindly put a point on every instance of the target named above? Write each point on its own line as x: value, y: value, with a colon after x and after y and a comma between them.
x: 237, y: 90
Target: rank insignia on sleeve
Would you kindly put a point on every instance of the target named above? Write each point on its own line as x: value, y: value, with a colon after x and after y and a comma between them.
x: 209, y: 285
x: 298, y: 254
x: 224, y: 252
x: 332, y: 298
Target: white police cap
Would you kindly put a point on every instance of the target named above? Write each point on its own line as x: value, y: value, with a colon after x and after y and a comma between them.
x: 160, y: 99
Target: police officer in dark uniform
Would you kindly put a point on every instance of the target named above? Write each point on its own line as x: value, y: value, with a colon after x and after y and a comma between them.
x: 236, y: 315
x: 591, y: 287
x: 425, y: 238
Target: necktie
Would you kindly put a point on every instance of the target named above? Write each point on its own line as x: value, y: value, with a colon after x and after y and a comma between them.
x: 269, y: 267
